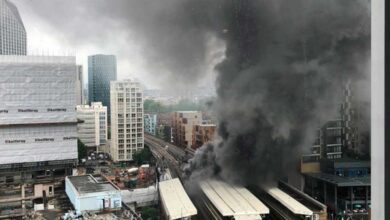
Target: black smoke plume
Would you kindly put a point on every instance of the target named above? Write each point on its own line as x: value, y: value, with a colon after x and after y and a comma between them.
x: 285, y: 67
x: 281, y: 76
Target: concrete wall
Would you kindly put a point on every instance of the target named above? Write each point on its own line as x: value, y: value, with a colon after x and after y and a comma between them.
x: 113, y: 201
x: 70, y: 192
x: 92, y: 201
x: 39, y: 188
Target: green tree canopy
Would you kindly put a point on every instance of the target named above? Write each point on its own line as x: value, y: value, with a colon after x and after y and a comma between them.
x: 142, y: 156
x: 82, y: 149
x: 149, y: 213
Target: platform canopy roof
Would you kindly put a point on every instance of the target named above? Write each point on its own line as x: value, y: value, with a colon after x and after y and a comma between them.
x: 175, y: 200
x: 289, y: 202
x: 233, y: 200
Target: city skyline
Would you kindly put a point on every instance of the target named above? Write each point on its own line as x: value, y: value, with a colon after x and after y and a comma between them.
x: 266, y: 101
x: 48, y: 35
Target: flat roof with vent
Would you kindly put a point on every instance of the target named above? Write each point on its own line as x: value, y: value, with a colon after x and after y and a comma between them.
x: 88, y: 184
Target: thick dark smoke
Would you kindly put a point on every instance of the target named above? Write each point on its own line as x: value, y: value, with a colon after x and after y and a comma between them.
x: 285, y: 67
x: 281, y: 76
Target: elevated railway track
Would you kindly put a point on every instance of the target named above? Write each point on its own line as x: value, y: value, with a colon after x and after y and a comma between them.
x: 279, y: 207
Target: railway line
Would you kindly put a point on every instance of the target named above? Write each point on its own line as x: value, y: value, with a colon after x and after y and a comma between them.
x: 174, y: 150
x: 162, y: 155
x: 174, y: 155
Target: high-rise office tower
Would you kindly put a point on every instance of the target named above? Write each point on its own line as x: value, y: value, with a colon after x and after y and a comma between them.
x: 127, y: 120
x: 101, y: 70
x: 38, y: 125
x: 13, y: 38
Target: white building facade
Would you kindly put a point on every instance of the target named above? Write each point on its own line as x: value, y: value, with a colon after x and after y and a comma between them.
x: 127, y: 119
x: 89, y: 194
x: 92, y: 131
x: 38, y: 122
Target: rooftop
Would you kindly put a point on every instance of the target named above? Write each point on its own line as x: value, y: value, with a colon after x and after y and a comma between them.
x: 247, y: 217
x: 341, y: 181
x: 16, y: 59
x: 289, y: 202
x: 88, y: 184
x: 188, y: 111
x: 206, y: 125
x: 232, y: 200
x: 140, y: 196
x: 175, y: 200
x: 349, y: 163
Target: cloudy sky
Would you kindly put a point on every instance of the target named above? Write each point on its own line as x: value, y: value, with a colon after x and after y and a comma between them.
x: 142, y: 34
x: 282, y: 65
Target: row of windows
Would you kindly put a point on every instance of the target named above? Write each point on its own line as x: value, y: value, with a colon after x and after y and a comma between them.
x: 133, y: 135
x: 133, y: 115
x: 133, y: 100
x: 139, y: 136
x: 121, y: 126
x: 128, y: 145
x: 122, y: 121
x: 334, y: 149
x: 133, y: 94
x: 334, y: 156
x: 334, y: 132
x: 134, y: 147
x: 133, y: 130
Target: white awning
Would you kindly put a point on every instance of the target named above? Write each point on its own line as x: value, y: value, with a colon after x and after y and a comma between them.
x: 289, y: 202
x: 175, y: 200
x: 232, y: 200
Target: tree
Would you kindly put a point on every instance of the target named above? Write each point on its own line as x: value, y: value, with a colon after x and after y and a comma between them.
x: 153, y: 106
x: 142, y: 156
x: 82, y: 149
x: 149, y: 213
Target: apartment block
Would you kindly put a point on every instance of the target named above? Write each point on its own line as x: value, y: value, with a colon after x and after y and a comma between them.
x: 183, y: 123
x: 92, y: 130
x: 127, y: 119
x: 202, y: 133
x: 150, y: 122
x: 355, y: 116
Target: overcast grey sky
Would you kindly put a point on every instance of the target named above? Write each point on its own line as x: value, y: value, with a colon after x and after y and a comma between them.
x: 283, y: 70
x: 148, y: 38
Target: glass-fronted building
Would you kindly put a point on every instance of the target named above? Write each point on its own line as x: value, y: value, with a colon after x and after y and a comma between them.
x: 101, y: 70
x: 13, y: 39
